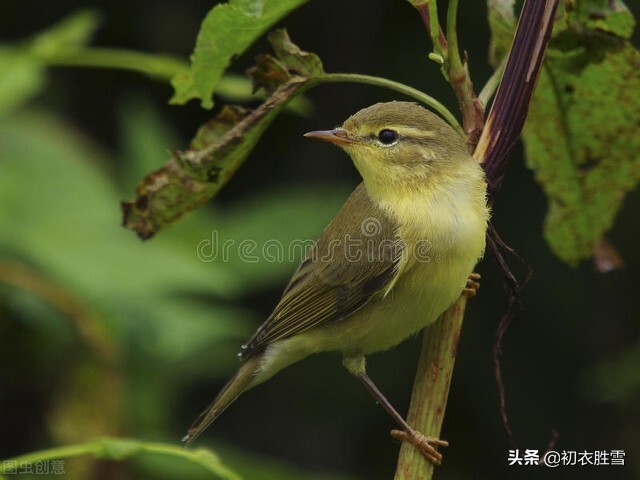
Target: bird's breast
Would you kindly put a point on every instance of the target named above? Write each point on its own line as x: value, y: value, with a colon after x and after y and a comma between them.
x: 443, y: 238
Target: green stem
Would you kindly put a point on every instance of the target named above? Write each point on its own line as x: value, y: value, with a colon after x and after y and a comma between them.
x: 492, y: 84
x: 431, y: 389
x: 435, y: 31
x: 70, y: 451
x: 396, y: 86
x: 460, y: 80
x: 455, y: 63
x: 162, y: 67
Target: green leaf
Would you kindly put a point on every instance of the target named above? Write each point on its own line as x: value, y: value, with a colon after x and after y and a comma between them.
x: 21, y: 78
x: 606, y: 16
x: 227, y: 31
x: 220, y: 147
x: 119, y: 449
x: 502, y: 22
x: 581, y: 132
x: 581, y: 138
x: 145, y: 137
x: 68, y: 227
x: 74, y: 31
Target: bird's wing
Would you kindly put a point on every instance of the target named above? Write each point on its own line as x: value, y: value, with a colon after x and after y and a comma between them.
x: 339, y: 275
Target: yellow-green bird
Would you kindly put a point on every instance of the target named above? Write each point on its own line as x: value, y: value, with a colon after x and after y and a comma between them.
x: 396, y: 256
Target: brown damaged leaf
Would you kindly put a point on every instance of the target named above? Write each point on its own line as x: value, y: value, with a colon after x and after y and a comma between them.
x: 220, y: 146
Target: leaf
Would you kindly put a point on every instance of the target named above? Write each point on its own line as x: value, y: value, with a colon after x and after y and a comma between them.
x: 226, y: 32
x: 581, y: 132
x: 73, y: 31
x: 119, y: 449
x: 157, y: 303
x: 581, y: 138
x: 502, y: 23
x: 194, y: 176
x: 607, y: 16
x: 144, y: 137
x: 72, y: 232
x: 21, y: 78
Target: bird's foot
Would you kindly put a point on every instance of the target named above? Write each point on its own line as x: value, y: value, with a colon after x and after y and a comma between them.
x: 473, y: 285
x: 426, y: 445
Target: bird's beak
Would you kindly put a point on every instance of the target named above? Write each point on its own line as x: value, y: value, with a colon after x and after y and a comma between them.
x: 337, y: 136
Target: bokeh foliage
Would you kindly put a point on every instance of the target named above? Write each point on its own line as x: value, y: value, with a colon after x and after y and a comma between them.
x: 130, y: 327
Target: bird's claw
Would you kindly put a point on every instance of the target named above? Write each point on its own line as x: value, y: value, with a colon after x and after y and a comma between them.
x: 426, y: 445
x: 472, y: 286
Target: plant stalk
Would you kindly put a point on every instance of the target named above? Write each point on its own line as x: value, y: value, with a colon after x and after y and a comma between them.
x: 162, y: 67
x: 504, y: 125
x: 431, y: 388
x: 392, y: 85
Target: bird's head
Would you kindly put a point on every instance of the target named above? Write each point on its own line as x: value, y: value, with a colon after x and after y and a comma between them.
x: 398, y: 142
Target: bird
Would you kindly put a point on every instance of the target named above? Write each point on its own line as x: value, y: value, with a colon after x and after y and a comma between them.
x: 399, y: 252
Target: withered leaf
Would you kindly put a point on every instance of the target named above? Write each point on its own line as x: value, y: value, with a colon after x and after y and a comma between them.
x: 221, y: 145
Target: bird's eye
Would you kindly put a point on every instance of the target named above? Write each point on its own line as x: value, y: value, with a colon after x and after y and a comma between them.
x: 387, y: 137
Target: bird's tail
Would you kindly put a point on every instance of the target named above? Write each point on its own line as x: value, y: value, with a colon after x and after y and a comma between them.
x: 232, y: 390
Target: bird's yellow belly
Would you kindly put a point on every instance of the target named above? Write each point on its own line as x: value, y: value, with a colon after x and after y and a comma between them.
x: 425, y: 288
x: 416, y: 300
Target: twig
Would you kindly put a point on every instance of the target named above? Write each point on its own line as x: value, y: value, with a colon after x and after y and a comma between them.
x: 498, y: 248
x: 392, y: 85
x: 454, y: 69
x: 472, y: 109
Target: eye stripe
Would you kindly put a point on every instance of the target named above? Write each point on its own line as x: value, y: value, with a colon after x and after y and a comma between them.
x: 405, y: 132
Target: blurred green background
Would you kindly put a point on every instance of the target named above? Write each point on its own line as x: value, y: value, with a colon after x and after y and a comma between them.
x: 104, y: 334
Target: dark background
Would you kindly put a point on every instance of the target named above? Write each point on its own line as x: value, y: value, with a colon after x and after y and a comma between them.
x: 313, y: 415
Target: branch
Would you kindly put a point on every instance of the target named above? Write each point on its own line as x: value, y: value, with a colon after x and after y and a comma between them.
x: 500, y: 133
x: 454, y: 69
x: 431, y: 389
x: 472, y: 109
x: 393, y: 85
